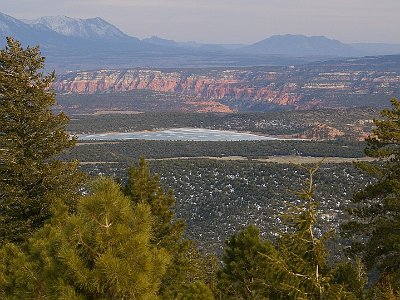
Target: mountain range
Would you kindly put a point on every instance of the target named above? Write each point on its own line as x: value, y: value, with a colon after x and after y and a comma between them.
x: 73, y: 44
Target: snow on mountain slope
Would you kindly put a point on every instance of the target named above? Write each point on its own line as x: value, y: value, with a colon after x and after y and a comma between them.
x: 95, y: 28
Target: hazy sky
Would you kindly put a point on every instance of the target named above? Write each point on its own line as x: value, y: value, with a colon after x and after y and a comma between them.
x: 229, y: 21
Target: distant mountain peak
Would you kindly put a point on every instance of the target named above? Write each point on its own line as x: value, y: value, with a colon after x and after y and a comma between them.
x: 92, y: 28
x: 297, y: 37
x: 301, y: 45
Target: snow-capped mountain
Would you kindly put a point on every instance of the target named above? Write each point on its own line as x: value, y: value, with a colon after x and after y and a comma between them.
x: 63, y: 34
x: 27, y: 33
x: 62, y: 30
x: 70, y: 43
x: 94, y: 28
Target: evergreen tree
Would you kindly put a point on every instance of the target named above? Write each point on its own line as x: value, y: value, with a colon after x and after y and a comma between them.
x: 352, y: 275
x: 375, y: 229
x: 294, y: 266
x: 301, y: 256
x: 30, y: 137
x: 197, y: 291
x: 101, y: 252
x: 188, y: 265
x: 143, y: 188
x: 384, y: 289
x: 245, y: 274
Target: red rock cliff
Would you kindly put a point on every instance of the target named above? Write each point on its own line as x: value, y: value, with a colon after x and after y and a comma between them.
x: 229, y: 85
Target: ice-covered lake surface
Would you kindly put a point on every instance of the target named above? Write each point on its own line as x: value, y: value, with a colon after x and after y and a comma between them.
x: 178, y: 134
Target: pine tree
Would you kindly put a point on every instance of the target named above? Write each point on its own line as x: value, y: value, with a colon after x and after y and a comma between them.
x: 294, y: 266
x: 143, y: 188
x: 30, y: 138
x: 353, y: 276
x: 197, y: 291
x: 301, y: 256
x: 384, y: 289
x: 188, y: 265
x: 245, y: 274
x: 375, y: 225
x: 103, y: 251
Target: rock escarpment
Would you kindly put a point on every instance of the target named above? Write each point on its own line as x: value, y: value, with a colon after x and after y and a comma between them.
x: 234, y: 88
x: 334, y: 85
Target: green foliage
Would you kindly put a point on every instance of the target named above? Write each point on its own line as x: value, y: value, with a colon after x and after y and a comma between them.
x: 197, y: 291
x: 245, y: 274
x: 375, y: 231
x: 143, y: 188
x: 101, y: 252
x: 217, y: 197
x: 17, y: 279
x: 30, y: 137
x: 353, y: 276
x: 385, y: 289
x: 301, y: 257
x: 295, y: 266
x: 126, y: 151
x: 188, y: 265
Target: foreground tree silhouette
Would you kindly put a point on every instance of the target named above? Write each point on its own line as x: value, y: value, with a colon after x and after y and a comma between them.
x: 375, y: 229
x: 30, y: 137
x: 103, y: 251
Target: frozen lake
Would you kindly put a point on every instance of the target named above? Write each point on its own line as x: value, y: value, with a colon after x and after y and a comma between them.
x: 178, y: 134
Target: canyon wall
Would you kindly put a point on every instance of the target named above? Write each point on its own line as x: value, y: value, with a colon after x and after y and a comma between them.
x: 243, y: 89
x: 229, y: 86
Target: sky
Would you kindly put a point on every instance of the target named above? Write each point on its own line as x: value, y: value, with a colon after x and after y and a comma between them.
x: 229, y: 21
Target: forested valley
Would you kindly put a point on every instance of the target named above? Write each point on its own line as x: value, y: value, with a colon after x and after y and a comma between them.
x: 218, y: 198
x: 116, y: 226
